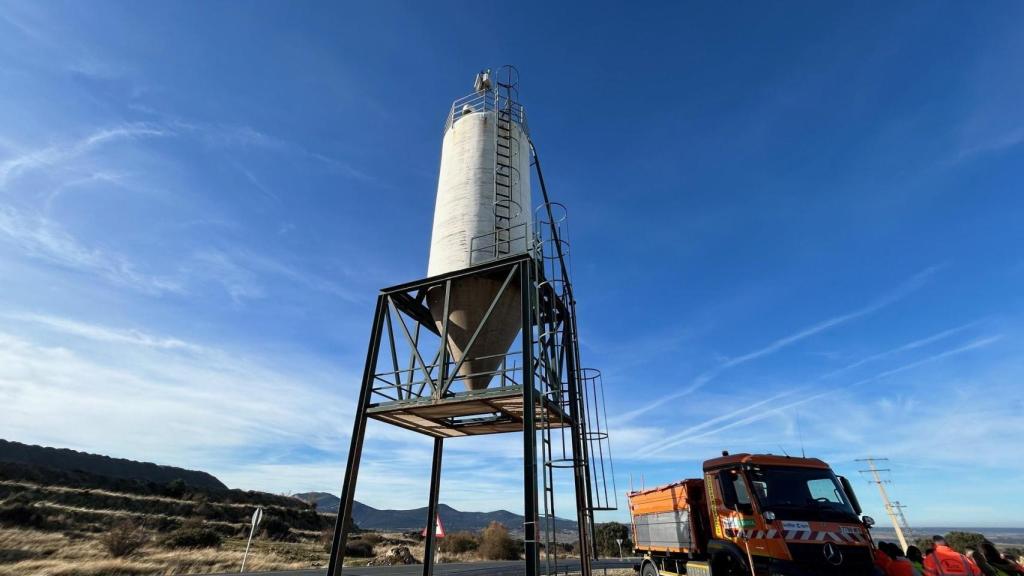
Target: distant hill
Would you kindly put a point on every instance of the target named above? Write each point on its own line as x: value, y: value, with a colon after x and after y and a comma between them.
x: 65, y: 460
x: 323, y: 501
x: 371, y: 518
x: 47, y: 495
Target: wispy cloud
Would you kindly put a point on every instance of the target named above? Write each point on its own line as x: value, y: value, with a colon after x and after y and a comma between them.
x: 244, y: 274
x: 702, y: 430
x: 683, y: 434
x: 106, y: 334
x: 216, y: 266
x: 911, y: 285
x: 257, y: 183
x: 243, y: 137
x: 96, y: 177
x: 178, y: 401
x: 1004, y: 140
x: 973, y: 345
x: 41, y: 238
x: 53, y: 156
x: 920, y: 343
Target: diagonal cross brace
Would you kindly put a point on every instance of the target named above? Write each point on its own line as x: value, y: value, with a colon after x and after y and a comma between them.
x: 412, y: 344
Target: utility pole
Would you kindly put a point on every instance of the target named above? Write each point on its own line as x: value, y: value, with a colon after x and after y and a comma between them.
x: 889, y: 509
x: 907, y: 530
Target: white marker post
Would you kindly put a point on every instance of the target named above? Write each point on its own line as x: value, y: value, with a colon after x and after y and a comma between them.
x: 257, y: 516
x: 619, y: 542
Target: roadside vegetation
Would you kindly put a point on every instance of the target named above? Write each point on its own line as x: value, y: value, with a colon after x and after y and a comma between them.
x: 175, y: 529
x: 62, y: 523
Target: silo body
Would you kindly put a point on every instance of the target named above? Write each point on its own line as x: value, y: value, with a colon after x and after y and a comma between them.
x: 464, y: 234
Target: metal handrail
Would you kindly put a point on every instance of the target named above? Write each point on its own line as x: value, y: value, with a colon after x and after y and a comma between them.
x: 487, y: 101
x: 480, y: 253
x: 394, y: 380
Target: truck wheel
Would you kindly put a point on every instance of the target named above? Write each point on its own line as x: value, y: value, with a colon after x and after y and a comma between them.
x: 648, y: 569
x: 726, y: 566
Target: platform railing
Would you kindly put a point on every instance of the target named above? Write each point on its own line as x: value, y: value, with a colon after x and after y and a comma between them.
x: 485, y: 247
x: 486, y: 101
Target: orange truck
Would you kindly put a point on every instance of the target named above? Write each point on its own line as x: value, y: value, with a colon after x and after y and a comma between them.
x: 753, y: 515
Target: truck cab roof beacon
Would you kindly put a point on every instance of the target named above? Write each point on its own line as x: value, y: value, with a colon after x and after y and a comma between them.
x: 483, y: 213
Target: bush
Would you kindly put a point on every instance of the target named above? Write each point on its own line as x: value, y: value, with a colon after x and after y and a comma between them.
x: 359, y: 548
x: 175, y: 488
x: 192, y: 534
x: 276, y: 529
x: 22, y: 515
x: 496, y: 544
x: 961, y: 541
x: 458, y: 543
x: 605, y: 536
x: 123, y: 538
x: 371, y: 537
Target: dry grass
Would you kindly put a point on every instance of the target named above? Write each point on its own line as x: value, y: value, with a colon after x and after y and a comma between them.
x: 122, y: 514
x: 31, y: 552
x: 55, y: 554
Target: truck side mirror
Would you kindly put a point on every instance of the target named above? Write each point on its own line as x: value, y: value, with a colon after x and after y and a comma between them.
x: 850, y: 495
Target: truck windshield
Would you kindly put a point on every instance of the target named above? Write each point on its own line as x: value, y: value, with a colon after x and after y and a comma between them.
x: 800, y: 493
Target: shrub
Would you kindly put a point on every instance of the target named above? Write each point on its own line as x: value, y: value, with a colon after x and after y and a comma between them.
x: 175, y: 488
x: 961, y: 541
x: 358, y: 548
x: 276, y: 529
x: 22, y: 515
x: 458, y: 543
x: 496, y: 544
x: 327, y: 538
x: 605, y: 537
x: 123, y: 538
x: 371, y: 537
x: 192, y: 534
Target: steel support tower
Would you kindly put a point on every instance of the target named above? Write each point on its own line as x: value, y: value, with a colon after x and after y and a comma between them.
x: 412, y: 380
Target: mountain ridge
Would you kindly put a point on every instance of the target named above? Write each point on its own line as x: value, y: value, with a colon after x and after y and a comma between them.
x: 453, y: 520
x: 67, y: 460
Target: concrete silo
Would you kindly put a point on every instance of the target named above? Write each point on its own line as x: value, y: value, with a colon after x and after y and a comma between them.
x: 483, y: 212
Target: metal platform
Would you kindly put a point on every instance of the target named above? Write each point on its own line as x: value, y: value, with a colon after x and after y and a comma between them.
x: 473, y: 413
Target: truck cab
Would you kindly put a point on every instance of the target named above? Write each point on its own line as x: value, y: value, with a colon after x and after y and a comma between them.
x: 786, y: 516
x: 756, y: 514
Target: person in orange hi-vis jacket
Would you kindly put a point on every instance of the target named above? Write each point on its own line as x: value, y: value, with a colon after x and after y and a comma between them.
x: 944, y: 561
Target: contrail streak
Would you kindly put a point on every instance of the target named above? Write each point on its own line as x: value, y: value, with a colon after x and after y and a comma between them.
x: 911, y: 285
x: 685, y: 435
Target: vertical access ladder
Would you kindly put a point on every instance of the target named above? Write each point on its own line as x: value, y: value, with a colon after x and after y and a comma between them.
x: 506, y: 176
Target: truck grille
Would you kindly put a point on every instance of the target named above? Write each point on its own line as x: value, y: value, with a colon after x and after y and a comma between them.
x: 856, y: 559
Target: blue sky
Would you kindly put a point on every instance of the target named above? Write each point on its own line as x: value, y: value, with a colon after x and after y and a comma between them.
x: 791, y: 224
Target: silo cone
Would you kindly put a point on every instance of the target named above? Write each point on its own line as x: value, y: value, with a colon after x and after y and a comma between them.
x: 470, y: 299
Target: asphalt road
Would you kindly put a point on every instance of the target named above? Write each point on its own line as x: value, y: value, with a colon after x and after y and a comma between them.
x: 510, y: 568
